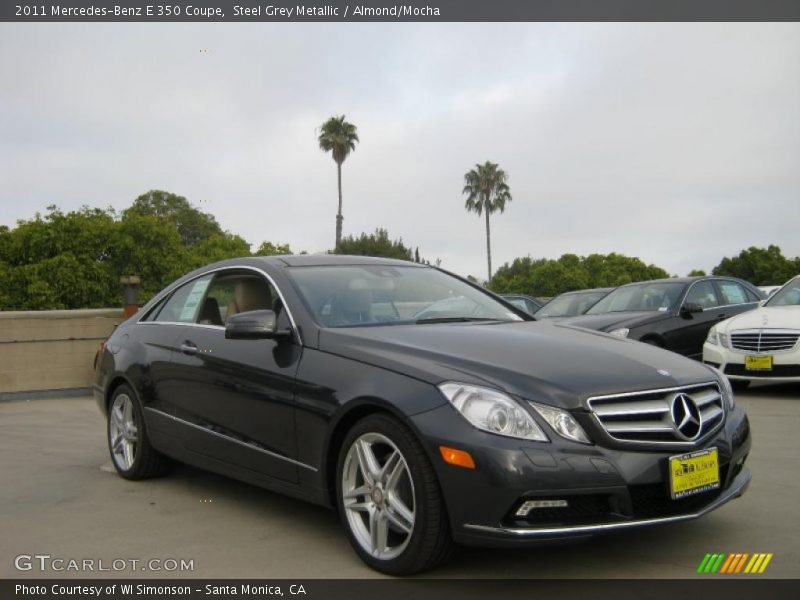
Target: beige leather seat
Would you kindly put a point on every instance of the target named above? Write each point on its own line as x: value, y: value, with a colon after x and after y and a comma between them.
x: 250, y: 294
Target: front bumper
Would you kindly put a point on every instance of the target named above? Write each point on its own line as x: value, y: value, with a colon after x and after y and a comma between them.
x: 736, y: 489
x: 606, y: 488
x: 786, y: 365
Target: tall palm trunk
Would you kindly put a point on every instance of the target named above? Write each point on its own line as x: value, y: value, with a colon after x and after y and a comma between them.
x: 339, y: 216
x: 488, y: 249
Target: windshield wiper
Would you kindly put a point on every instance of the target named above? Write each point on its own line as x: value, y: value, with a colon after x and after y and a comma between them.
x: 453, y: 320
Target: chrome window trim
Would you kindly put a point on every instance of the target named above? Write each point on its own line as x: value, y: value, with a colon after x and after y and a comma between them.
x: 232, y: 439
x: 677, y: 444
x: 715, y: 280
x: 266, y: 275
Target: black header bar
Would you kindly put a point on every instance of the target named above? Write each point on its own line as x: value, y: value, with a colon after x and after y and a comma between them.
x: 398, y: 10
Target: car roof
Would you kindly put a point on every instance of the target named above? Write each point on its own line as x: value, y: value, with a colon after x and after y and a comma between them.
x: 588, y: 290
x: 318, y: 260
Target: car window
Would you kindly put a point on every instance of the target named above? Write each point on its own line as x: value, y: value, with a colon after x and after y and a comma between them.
x: 649, y: 296
x: 520, y: 303
x: 233, y: 292
x: 788, y: 295
x: 732, y: 292
x: 559, y: 306
x: 362, y: 295
x: 703, y: 293
x: 184, y: 303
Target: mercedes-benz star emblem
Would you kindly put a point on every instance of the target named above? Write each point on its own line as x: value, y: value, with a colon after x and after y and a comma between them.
x: 686, y: 417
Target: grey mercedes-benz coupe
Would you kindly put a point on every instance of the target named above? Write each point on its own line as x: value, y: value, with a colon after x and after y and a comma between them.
x: 424, y: 409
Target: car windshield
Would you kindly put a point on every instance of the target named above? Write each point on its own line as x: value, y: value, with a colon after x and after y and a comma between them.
x: 363, y: 295
x: 569, y: 305
x: 788, y: 295
x: 648, y: 296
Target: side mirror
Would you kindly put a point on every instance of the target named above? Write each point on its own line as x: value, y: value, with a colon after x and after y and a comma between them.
x: 690, y: 308
x: 252, y: 325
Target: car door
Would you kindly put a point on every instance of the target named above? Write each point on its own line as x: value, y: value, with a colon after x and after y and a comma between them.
x: 236, y: 396
x: 690, y: 329
x: 735, y: 297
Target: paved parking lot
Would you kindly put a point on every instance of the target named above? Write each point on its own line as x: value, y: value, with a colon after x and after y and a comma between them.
x: 58, y: 496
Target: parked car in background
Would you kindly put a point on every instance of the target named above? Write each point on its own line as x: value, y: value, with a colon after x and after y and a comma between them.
x: 769, y: 289
x: 760, y: 345
x: 419, y: 405
x: 523, y: 302
x: 572, y: 304
x: 675, y: 314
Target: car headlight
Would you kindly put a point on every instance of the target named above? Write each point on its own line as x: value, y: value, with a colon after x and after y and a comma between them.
x: 622, y: 332
x: 716, y: 338
x: 492, y: 411
x: 562, y: 423
x: 725, y: 386
x: 727, y: 389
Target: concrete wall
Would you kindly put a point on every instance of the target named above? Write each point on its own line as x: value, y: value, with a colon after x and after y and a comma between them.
x: 51, y: 349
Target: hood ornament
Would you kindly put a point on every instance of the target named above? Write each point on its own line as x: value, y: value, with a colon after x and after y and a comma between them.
x: 663, y: 372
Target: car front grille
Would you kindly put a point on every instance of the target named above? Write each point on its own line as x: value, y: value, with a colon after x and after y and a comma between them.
x: 653, y: 417
x: 761, y: 340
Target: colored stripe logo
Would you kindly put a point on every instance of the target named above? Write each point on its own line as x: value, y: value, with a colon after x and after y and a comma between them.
x: 734, y: 563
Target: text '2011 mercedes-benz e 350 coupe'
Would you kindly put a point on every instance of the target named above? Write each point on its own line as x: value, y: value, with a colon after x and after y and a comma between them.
x: 427, y: 411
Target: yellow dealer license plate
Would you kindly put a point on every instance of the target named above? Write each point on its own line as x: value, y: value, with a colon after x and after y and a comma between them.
x: 693, y: 473
x: 758, y: 363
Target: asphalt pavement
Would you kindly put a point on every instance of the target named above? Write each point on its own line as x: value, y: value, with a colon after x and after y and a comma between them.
x: 60, y: 497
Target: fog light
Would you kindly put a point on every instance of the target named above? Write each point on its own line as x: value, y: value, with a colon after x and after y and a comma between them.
x: 530, y: 505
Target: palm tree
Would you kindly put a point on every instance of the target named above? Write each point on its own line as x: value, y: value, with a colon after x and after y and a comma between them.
x: 487, y: 192
x: 338, y: 137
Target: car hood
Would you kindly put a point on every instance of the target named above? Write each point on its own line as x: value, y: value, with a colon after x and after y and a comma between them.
x: 765, y: 317
x: 615, y: 320
x: 537, y: 360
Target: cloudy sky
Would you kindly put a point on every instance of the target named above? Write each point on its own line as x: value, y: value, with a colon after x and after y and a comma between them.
x: 678, y: 143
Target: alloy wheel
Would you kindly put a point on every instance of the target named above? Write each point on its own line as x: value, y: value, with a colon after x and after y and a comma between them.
x: 123, y: 432
x: 378, y: 496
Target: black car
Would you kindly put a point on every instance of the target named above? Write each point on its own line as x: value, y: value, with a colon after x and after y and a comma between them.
x: 572, y: 304
x: 523, y: 302
x: 675, y: 313
x: 423, y: 409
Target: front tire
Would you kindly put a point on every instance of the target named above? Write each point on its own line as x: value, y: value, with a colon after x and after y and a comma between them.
x: 389, y: 499
x: 131, y: 452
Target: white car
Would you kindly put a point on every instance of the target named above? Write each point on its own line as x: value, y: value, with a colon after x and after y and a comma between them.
x: 761, y: 344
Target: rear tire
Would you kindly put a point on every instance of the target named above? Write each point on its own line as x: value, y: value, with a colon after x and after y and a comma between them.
x: 389, y: 499
x: 131, y: 452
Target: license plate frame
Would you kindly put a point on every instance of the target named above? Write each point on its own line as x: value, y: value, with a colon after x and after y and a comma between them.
x: 758, y: 362
x: 694, y: 473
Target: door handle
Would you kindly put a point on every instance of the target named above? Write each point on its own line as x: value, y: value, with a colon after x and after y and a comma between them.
x: 189, y: 348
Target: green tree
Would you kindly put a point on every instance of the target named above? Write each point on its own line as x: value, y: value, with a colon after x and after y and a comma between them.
x: 193, y: 225
x: 270, y: 249
x: 151, y: 248
x: 697, y: 273
x: 760, y: 266
x: 219, y: 246
x: 338, y: 137
x: 547, y: 277
x: 374, y: 244
x: 487, y: 192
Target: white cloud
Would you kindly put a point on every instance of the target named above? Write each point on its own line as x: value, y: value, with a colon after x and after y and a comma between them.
x: 678, y: 143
